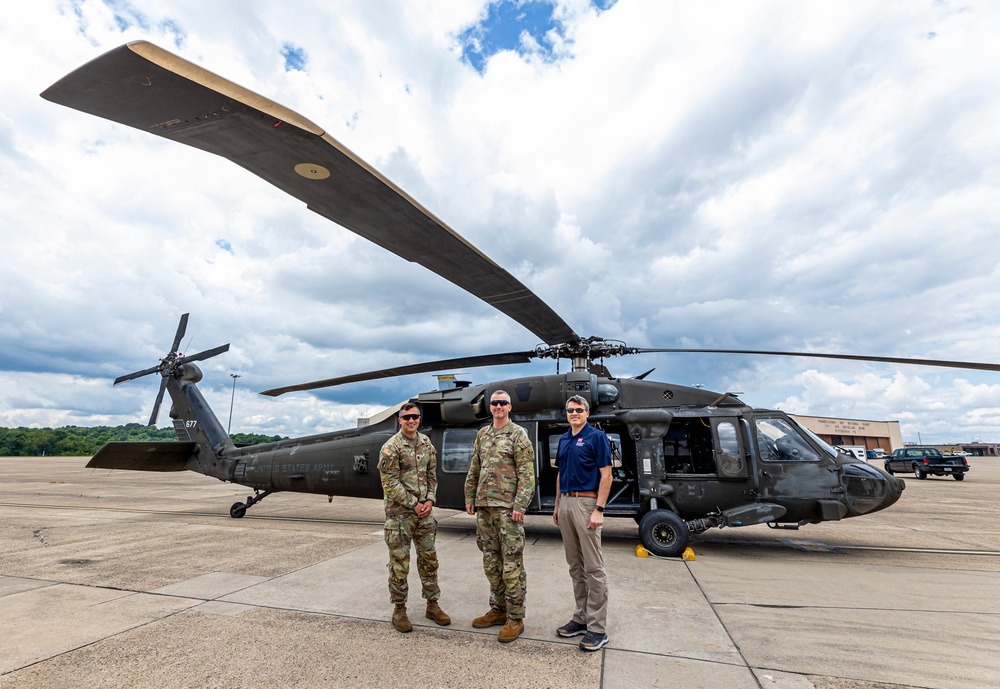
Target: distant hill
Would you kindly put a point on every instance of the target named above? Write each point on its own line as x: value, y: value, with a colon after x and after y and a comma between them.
x: 80, y: 441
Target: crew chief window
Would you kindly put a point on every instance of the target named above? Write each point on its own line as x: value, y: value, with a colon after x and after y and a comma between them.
x: 456, y: 450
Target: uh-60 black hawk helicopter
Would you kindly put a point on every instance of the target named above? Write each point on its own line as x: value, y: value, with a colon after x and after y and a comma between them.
x: 685, y: 459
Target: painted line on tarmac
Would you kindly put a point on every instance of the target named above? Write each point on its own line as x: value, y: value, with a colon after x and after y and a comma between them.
x: 811, y: 546
x: 820, y: 547
x: 442, y: 525
x: 933, y: 551
x: 175, y: 513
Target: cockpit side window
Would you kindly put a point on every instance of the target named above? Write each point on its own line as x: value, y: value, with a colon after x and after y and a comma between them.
x: 779, y: 441
x: 729, y: 453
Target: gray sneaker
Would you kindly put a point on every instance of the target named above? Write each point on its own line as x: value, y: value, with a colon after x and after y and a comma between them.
x: 592, y: 641
x: 571, y: 628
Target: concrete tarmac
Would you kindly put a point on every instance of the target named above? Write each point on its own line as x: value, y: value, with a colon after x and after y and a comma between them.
x: 128, y: 579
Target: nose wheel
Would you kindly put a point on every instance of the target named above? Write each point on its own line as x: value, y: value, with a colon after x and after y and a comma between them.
x: 239, y: 509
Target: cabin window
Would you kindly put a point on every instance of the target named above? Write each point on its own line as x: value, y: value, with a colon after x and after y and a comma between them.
x: 778, y: 441
x: 456, y: 450
x: 687, y: 447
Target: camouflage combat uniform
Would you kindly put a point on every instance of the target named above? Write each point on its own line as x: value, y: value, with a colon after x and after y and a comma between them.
x: 409, y: 475
x: 502, y: 479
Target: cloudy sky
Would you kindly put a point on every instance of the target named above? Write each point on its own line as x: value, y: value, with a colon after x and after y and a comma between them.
x: 767, y: 175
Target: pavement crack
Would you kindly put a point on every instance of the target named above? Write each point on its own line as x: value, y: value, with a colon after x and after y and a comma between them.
x: 40, y: 537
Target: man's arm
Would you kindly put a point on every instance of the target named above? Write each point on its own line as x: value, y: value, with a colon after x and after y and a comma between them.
x: 555, y: 508
x: 388, y: 467
x: 603, y: 491
x: 432, y: 473
x: 524, y: 469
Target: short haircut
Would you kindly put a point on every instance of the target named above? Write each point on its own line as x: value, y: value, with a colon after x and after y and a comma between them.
x: 407, y: 406
x: 579, y: 400
x: 500, y: 392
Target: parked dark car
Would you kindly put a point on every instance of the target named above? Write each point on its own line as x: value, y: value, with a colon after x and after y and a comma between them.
x: 926, y: 460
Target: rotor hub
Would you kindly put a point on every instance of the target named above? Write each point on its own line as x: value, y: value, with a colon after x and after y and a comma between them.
x: 583, y: 352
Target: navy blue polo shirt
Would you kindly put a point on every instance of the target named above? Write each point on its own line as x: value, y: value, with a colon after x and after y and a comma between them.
x: 580, y: 458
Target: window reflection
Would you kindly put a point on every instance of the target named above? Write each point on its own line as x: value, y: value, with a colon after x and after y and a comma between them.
x: 779, y: 441
x: 456, y: 450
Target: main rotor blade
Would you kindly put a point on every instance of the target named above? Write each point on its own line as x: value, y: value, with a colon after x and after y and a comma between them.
x: 465, y: 362
x: 156, y: 404
x: 137, y: 374
x: 207, y: 354
x: 851, y: 357
x: 181, y: 329
x: 146, y: 87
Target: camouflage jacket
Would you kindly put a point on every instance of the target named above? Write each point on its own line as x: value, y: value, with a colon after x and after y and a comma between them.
x: 409, y: 473
x: 502, y: 470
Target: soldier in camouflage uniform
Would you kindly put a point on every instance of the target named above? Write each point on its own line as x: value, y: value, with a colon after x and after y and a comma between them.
x: 498, y: 488
x: 408, y: 466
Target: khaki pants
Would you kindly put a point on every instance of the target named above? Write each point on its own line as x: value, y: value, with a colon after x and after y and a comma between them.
x: 586, y: 562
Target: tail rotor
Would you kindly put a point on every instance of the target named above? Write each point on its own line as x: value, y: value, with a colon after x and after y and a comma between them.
x: 172, y: 365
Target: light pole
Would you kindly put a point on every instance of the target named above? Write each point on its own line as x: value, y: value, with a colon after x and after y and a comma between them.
x: 234, y: 376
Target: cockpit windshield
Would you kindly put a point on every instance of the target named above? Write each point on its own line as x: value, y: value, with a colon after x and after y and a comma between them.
x: 781, y: 440
x: 826, y: 447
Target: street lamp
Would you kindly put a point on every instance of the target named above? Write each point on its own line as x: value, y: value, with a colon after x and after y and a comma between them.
x: 234, y: 376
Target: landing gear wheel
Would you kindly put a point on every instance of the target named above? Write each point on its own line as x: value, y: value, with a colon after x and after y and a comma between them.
x: 664, y: 533
x: 919, y: 473
x: 240, y: 508
x: 959, y: 477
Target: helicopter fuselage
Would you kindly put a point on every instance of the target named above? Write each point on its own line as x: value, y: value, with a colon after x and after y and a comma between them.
x: 706, y: 457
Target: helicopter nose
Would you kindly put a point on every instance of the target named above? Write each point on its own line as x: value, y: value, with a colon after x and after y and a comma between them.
x: 869, y: 489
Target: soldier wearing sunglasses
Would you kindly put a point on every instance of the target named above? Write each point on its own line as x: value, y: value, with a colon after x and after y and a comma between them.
x: 582, y: 488
x: 408, y: 467
x: 498, y: 488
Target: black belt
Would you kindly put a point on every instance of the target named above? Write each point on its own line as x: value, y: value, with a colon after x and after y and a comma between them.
x: 581, y: 493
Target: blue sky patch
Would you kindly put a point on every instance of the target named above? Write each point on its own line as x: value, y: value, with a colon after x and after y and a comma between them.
x: 126, y: 15
x: 508, y: 23
x: 224, y: 245
x: 295, y: 57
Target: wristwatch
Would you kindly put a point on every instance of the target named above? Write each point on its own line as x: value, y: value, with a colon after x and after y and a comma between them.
x: 599, y: 508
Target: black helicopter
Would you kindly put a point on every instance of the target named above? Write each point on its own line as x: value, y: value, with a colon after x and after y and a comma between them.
x: 685, y: 459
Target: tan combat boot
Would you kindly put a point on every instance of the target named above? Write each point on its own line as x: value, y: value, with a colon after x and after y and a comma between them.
x: 510, y: 631
x: 434, y: 612
x: 400, y: 621
x: 490, y: 619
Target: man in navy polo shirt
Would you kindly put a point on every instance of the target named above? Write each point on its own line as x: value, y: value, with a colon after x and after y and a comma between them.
x: 582, y: 488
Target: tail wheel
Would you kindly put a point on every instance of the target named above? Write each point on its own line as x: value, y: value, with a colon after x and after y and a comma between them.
x: 664, y: 533
x: 237, y: 510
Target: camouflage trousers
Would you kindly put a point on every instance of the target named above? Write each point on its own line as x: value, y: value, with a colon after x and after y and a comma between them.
x: 502, y: 541
x: 400, y: 531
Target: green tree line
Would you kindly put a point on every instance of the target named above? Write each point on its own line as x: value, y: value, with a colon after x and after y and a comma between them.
x: 81, y: 441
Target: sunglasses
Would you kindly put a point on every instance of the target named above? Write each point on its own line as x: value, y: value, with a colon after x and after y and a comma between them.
x: 409, y: 417
x: 575, y: 410
x: 499, y: 403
